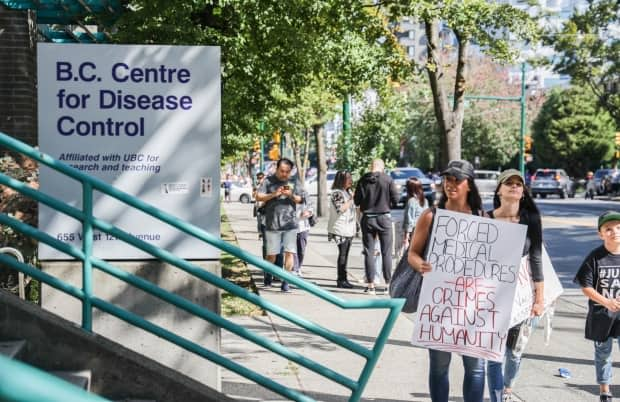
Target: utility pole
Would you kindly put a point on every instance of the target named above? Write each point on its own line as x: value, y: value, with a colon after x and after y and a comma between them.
x: 522, y: 128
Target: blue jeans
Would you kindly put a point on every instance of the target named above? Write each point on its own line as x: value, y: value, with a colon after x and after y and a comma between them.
x: 439, y: 382
x: 603, y: 361
x: 502, y: 376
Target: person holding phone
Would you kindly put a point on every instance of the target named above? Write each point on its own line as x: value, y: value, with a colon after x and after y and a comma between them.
x: 280, y: 196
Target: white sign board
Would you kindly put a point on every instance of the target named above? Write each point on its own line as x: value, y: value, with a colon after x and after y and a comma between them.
x: 466, y: 299
x: 524, y: 294
x: 144, y: 119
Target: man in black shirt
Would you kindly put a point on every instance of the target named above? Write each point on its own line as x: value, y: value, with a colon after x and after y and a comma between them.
x: 374, y: 195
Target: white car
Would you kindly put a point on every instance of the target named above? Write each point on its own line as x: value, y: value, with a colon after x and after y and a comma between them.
x: 486, y: 181
x: 240, y: 192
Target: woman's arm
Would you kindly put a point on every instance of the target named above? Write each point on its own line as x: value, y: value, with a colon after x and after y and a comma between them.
x: 538, y: 308
x: 534, y: 232
x: 416, y: 248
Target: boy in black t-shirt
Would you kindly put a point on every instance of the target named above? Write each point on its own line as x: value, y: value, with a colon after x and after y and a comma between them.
x: 599, y: 278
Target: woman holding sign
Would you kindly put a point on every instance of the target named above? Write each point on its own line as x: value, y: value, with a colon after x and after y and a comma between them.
x: 460, y: 194
x: 514, y: 204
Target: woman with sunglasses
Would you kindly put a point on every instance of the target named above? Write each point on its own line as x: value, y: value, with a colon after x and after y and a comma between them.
x: 513, y: 203
x: 460, y: 194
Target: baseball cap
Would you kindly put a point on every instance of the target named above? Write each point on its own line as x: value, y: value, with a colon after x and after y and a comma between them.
x: 460, y: 169
x: 508, y: 173
x: 608, y: 216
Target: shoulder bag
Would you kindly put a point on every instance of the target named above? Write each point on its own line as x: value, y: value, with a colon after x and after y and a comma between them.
x: 406, y: 284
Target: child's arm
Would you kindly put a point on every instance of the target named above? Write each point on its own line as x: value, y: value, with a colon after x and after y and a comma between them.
x: 612, y: 305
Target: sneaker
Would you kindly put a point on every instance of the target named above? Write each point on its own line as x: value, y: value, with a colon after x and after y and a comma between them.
x: 370, y: 291
x: 605, y: 398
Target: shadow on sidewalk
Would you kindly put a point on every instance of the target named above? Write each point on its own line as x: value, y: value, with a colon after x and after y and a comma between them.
x: 253, y: 392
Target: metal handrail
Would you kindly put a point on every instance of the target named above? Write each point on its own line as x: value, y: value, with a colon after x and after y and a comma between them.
x: 85, y: 294
x: 21, y: 280
x: 41, y: 386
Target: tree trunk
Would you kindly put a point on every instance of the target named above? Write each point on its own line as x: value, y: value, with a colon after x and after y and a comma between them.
x: 301, y: 170
x: 321, y: 202
x: 449, y: 119
x: 18, y: 93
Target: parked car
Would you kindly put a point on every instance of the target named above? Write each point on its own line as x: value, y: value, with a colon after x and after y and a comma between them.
x: 241, y: 192
x: 552, y: 181
x: 603, y: 180
x: 400, y: 176
x: 486, y: 181
x: 612, y: 182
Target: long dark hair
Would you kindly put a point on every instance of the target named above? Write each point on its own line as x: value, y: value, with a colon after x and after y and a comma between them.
x: 473, y: 197
x: 526, y: 203
x: 340, y: 180
x: 414, y: 189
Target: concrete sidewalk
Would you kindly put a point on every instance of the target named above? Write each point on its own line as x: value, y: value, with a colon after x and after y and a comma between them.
x: 402, y: 371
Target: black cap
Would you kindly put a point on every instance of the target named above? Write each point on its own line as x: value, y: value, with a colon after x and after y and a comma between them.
x: 460, y: 169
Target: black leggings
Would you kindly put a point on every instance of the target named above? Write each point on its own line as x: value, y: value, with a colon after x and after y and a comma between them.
x: 343, y: 257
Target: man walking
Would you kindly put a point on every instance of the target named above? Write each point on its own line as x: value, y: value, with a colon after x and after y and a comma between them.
x: 280, y: 196
x: 374, y: 195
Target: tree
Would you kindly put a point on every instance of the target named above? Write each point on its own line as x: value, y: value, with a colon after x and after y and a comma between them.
x: 490, y: 129
x: 269, y: 47
x: 573, y: 132
x: 590, y: 53
x: 378, y: 133
x: 461, y: 23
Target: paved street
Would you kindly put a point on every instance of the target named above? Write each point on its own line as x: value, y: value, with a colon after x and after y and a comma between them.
x: 401, y: 374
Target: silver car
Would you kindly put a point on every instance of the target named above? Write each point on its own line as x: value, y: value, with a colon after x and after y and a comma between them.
x: 552, y: 181
x: 486, y: 181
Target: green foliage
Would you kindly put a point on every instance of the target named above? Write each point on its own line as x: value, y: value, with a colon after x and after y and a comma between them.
x: 495, y: 28
x: 573, y: 132
x: 590, y: 53
x: 482, y: 138
x: 24, y: 209
x: 490, y: 127
x: 378, y: 133
x: 271, y: 51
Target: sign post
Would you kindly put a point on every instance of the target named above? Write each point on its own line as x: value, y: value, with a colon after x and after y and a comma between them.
x: 145, y: 119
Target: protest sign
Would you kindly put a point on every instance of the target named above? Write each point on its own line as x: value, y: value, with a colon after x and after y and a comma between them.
x: 524, y: 293
x: 466, y: 299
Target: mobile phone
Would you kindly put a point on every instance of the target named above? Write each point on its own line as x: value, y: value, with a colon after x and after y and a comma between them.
x: 285, y: 187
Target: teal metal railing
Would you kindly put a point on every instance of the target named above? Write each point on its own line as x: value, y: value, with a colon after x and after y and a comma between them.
x: 89, y: 262
x: 41, y: 386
